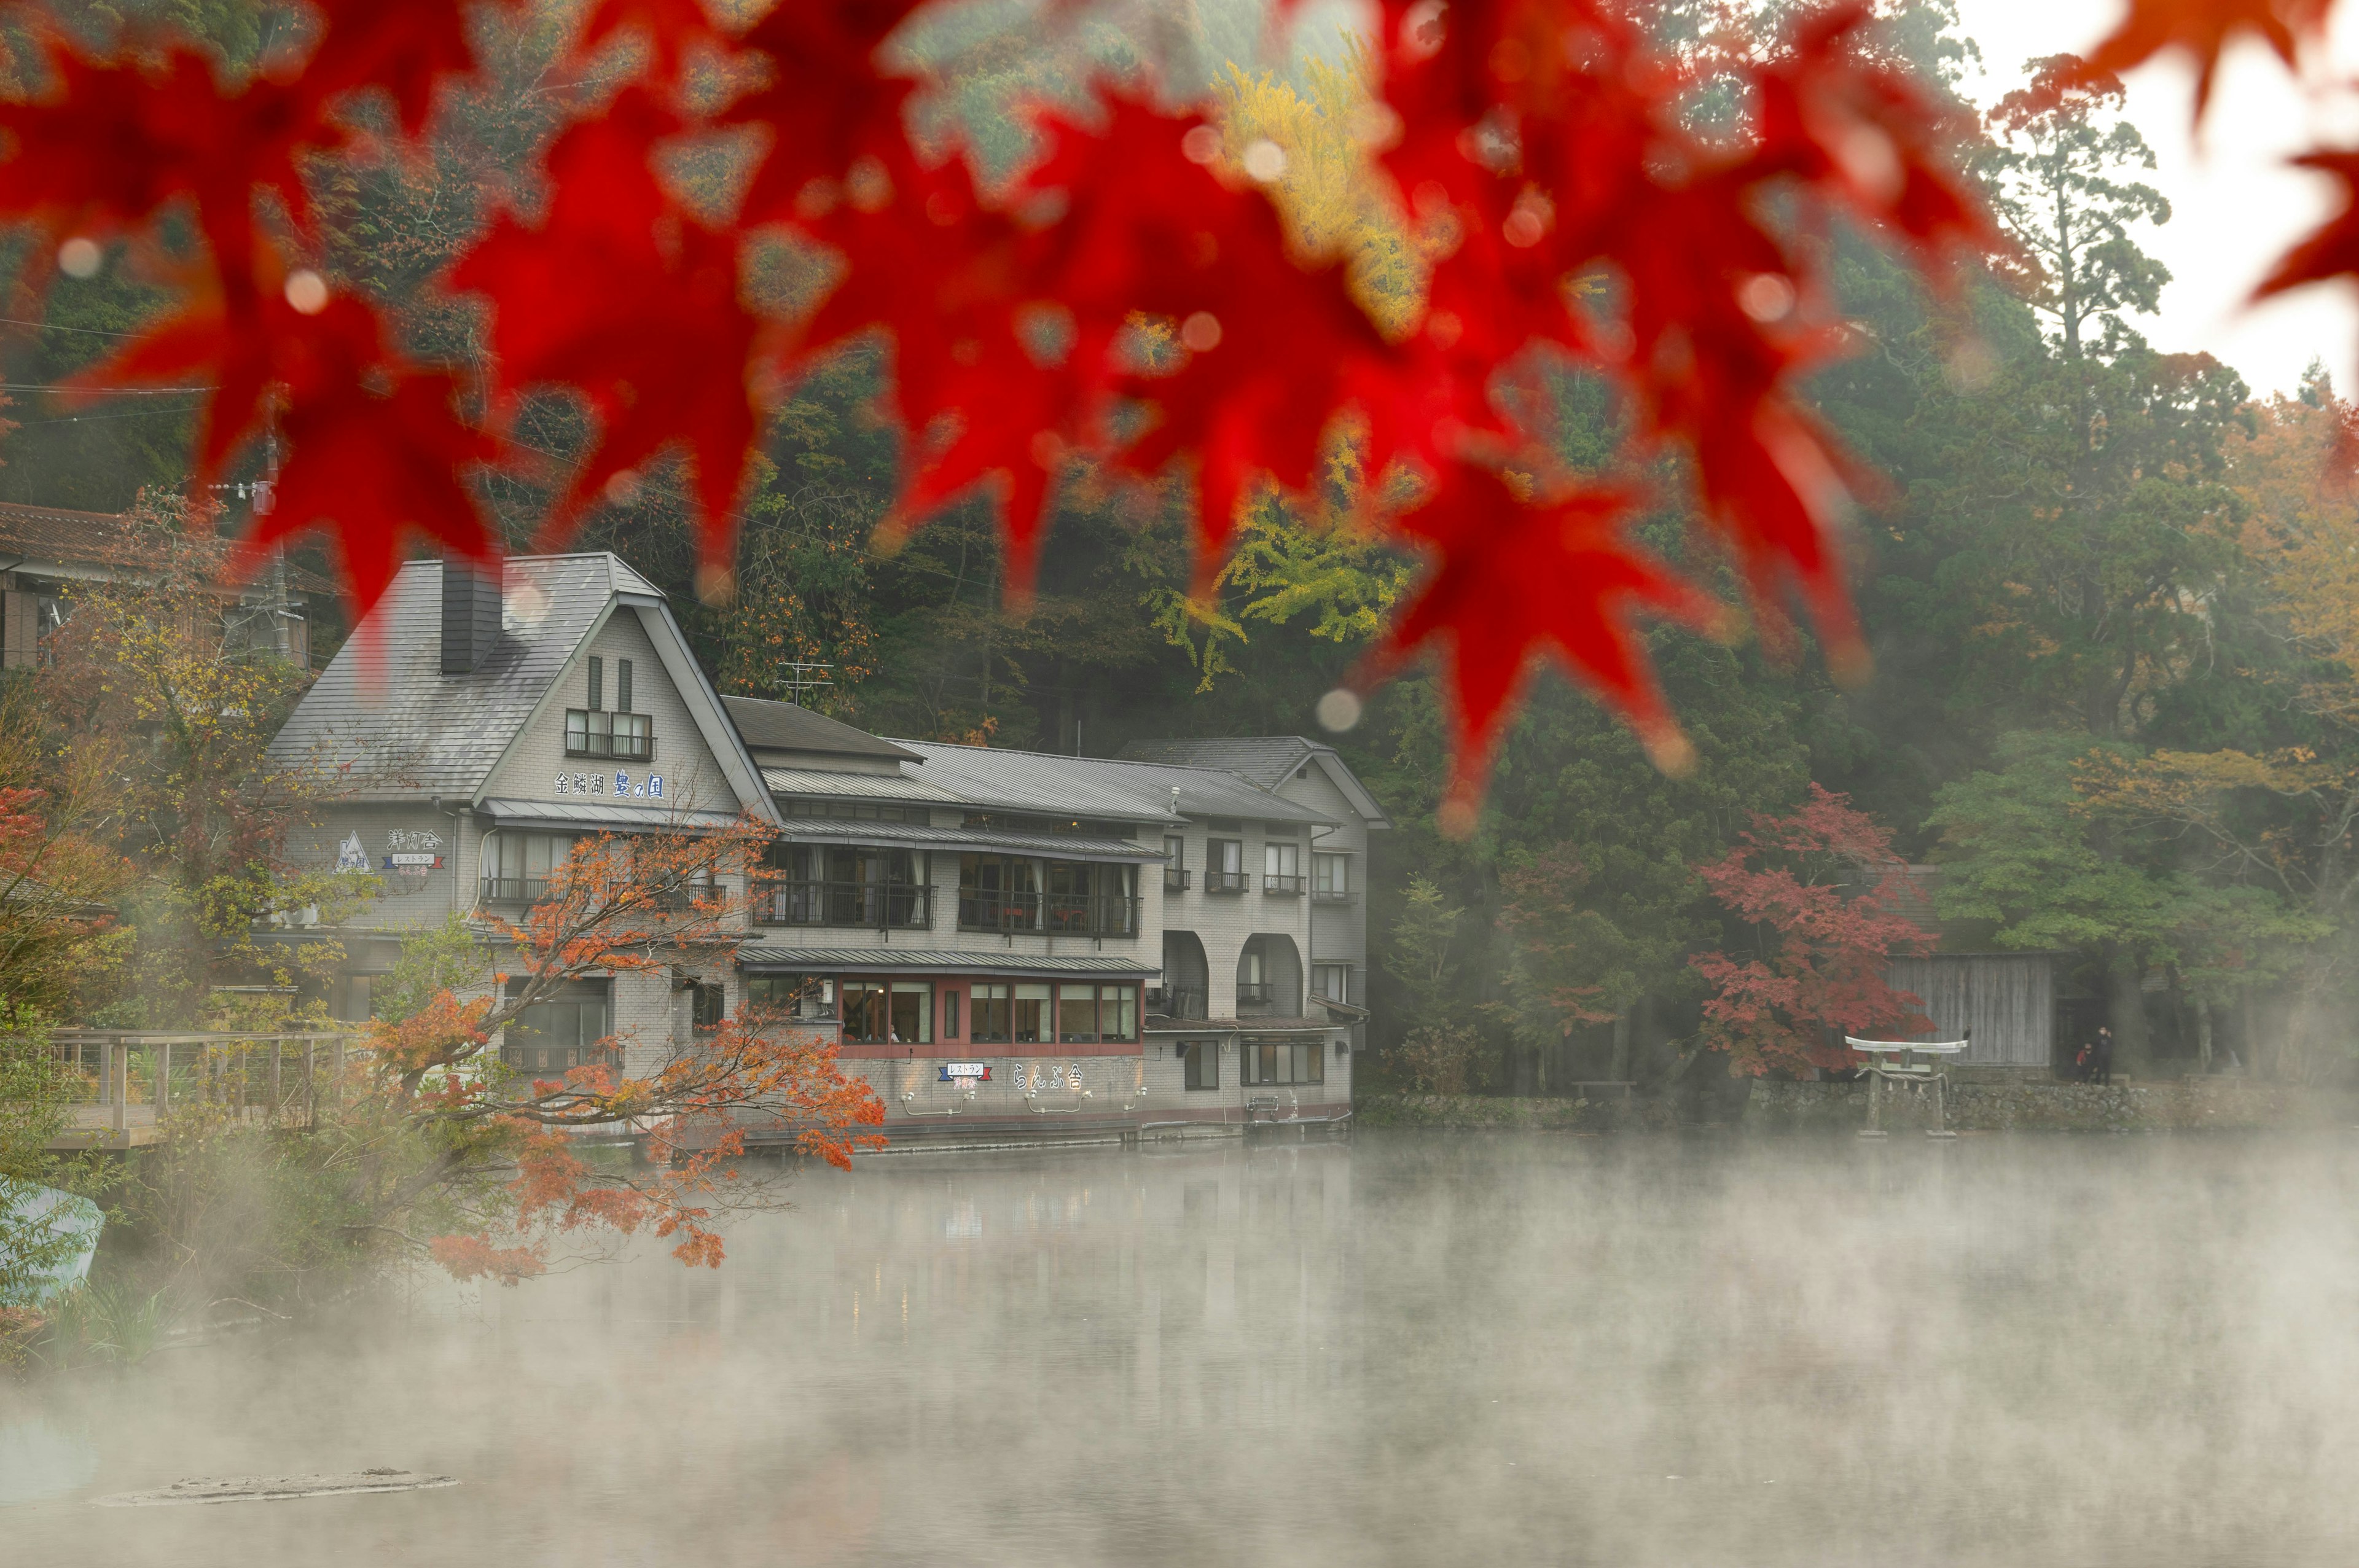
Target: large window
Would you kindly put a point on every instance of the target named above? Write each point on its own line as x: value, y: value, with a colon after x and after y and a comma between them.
x: 888, y: 1012
x: 564, y: 1032
x: 1032, y: 1005
x: 1282, y: 1062
x: 1201, y: 1062
x: 1225, y: 865
x: 1281, y: 866
x: 791, y: 996
x: 998, y: 893
x: 516, y: 866
x: 1090, y: 900
x: 1175, y: 862
x: 1330, y: 876
x: 987, y: 1014
x: 845, y: 884
x: 1077, y: 898
x: 1333, y: 981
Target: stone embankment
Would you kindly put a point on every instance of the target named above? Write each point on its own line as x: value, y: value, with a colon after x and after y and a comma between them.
x: 2024, y: 1104
x: 1500, y: 1114
x: 1999, y: 1105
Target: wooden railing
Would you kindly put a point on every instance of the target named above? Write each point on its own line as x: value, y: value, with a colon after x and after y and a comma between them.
x: 135, y: 1077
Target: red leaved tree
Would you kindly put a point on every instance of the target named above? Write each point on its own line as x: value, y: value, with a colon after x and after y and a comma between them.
x: 497, y: 1166
x: 1819, y: 888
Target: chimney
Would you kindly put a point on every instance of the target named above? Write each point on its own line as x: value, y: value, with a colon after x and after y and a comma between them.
x: 471, y: 613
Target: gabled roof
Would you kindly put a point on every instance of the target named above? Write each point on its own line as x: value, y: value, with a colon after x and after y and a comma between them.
x: 770, y: 726
x: 1268, y: 761
x: 384, y: 714
x: 1104, y: 787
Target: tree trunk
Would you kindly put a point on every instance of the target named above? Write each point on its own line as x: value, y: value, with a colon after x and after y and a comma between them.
x: 2203, y: 1036
x: 1620, y: 1071
x: 2126, y: 1011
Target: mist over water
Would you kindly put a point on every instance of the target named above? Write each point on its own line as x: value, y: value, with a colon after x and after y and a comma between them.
x: 1396, y: 1350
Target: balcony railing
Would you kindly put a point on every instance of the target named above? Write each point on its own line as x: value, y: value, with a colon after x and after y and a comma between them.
x: 1175, y: 1001
x: 1227, y: 881
x: 1175, y: 879
x: 1281, y: 884
x: 874, y: 907
x: 515, y: 890
x: 1331, y: 895
x: 1057, y: 914
x: 618, y: 737
x: 1257, y: 991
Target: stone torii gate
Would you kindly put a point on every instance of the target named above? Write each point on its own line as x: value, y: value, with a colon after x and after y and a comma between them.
x: 1892, y: 1064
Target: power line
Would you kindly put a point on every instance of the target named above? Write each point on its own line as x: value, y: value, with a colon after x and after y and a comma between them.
x: 59, y: 327
x: 110, y: 391
x: 92, y: 419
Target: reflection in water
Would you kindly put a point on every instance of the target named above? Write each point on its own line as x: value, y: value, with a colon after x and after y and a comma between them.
x: 1395, y: 1351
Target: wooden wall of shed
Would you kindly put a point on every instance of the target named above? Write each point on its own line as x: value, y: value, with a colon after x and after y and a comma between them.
x: 2008, y: 999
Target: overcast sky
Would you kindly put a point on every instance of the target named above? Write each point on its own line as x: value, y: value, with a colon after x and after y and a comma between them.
x: 2235, y: 206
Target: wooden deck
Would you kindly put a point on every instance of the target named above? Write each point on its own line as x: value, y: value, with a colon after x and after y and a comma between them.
x: 93, y: 1128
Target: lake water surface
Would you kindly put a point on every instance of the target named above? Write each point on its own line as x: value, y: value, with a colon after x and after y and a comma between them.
x: 1401, y: 1350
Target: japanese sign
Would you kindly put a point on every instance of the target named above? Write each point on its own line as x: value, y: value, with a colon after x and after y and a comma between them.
x: 649, y: 786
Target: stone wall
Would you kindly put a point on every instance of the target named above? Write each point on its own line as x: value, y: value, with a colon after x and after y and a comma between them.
x: 2032, y: 1105
x: 1502, y: 1113
x: 1999, y: 1104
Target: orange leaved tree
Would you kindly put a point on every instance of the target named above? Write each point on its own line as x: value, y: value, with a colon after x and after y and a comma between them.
x: 498, y: 1167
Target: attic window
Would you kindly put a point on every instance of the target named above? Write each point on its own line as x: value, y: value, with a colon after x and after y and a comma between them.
x: 597, y: 683
x: 622, y: 685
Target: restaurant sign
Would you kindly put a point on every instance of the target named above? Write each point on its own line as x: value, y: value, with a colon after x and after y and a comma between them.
x: 956, y: 1072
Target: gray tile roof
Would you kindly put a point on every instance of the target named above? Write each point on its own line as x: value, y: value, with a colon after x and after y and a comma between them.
x: 384, y: 714
x: 769, y: 726
x: 1266, y: 760
x: 1105, y: 787
x: 758, y: 957
x: 828, y: 785
x: 848, y: 830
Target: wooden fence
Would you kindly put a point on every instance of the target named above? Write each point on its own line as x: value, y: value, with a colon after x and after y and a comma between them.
x: 123, y: 1081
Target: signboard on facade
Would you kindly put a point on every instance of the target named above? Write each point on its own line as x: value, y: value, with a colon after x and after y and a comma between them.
x: 352, y: 856
x: 646, y: 786
x: 410, y: 855
x: 955, y: 1071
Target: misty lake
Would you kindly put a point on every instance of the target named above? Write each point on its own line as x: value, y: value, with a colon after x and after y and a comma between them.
x: 1399, y: 1349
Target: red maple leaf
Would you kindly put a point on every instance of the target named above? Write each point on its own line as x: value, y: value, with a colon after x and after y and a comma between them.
x: 403, y: 48
x: 672, y: 29
x: 981, y: 397
x: 2331, y: 250
x: 2203, y: 30
x: 1518, y: 583
x: 621, y: 294
x: 826, y: 104
x: 118, y: 142
x: 376, y: 447
x: 1271, y: 348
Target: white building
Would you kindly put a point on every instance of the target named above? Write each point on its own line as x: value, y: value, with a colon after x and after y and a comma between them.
x: 1006, y: 944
